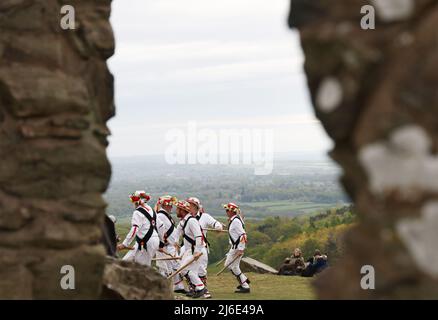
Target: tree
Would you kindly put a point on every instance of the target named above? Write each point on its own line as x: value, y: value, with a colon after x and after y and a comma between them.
x: 309, y: 247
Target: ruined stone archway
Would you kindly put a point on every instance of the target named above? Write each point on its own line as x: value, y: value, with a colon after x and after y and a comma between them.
x: 56, y: 95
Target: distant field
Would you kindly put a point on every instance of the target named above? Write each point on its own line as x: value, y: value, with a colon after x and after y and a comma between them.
x: 257, y: 210
x: 283, y: 208
x: 307, y: 183
x: 264, y: 209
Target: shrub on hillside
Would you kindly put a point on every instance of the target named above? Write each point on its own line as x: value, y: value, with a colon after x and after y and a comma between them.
x: 275, y: 256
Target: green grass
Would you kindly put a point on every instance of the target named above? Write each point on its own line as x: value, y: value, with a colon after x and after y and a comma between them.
x: 263, y: 287
x: 122, y: 227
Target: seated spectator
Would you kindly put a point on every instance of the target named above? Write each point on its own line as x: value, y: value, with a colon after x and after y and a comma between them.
x: 294, y: 265
x: 315, y: 264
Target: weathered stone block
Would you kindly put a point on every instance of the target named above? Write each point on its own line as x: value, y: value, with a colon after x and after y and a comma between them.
x: 131, y: 281
x: 39, y: 92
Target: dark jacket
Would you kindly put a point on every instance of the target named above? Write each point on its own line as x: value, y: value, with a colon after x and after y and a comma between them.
x: 109, y: 238
x: 292, y: 266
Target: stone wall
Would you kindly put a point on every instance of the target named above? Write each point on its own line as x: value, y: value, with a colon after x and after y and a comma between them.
x: 376, y: 94
x: 56, y: 95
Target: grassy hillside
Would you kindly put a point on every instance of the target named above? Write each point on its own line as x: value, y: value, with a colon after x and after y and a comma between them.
x: 270, y: 241
x: 274, y: 238
x: 263, y: 287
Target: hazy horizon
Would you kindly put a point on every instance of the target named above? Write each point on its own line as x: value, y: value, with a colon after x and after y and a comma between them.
x: 297, y: 155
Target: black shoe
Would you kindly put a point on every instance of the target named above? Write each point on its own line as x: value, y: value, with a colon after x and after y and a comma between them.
x: 190, y: 293
x: 239, y: 287
x: 198, y: 294
x: 243, y: 290
x: 183, y: 291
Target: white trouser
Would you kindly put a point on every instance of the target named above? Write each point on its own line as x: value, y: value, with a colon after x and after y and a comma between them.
x: 235, y: 267
x: 203, y: 263
x: 167, y: 267
x: 163, y: 266
x: 142, y: 256
x: 191, y: 271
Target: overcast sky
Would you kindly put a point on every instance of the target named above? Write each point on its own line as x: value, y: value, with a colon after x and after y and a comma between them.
x: 223, y: 64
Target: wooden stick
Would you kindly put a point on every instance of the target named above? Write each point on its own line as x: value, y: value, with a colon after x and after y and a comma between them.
x: 166, y: 253
x: 215, y: 230
x: 184, y: 266
x: 128, y: 248
x: 165, y: 259
x: 220, y: 261
x: 226, y: 267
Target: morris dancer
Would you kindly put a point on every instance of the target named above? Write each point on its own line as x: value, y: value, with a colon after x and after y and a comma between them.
x: 205, y: 221
x: 190, y: 229
x: 143, y: 230
x: 238, y: 239
x: 168, y: 241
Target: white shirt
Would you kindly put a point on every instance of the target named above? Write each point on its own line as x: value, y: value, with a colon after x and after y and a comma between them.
x: 140, y: 225
x: 207, y: 221
x: 236, y: 231
x: 193, y: 231
x: 164, y: 224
